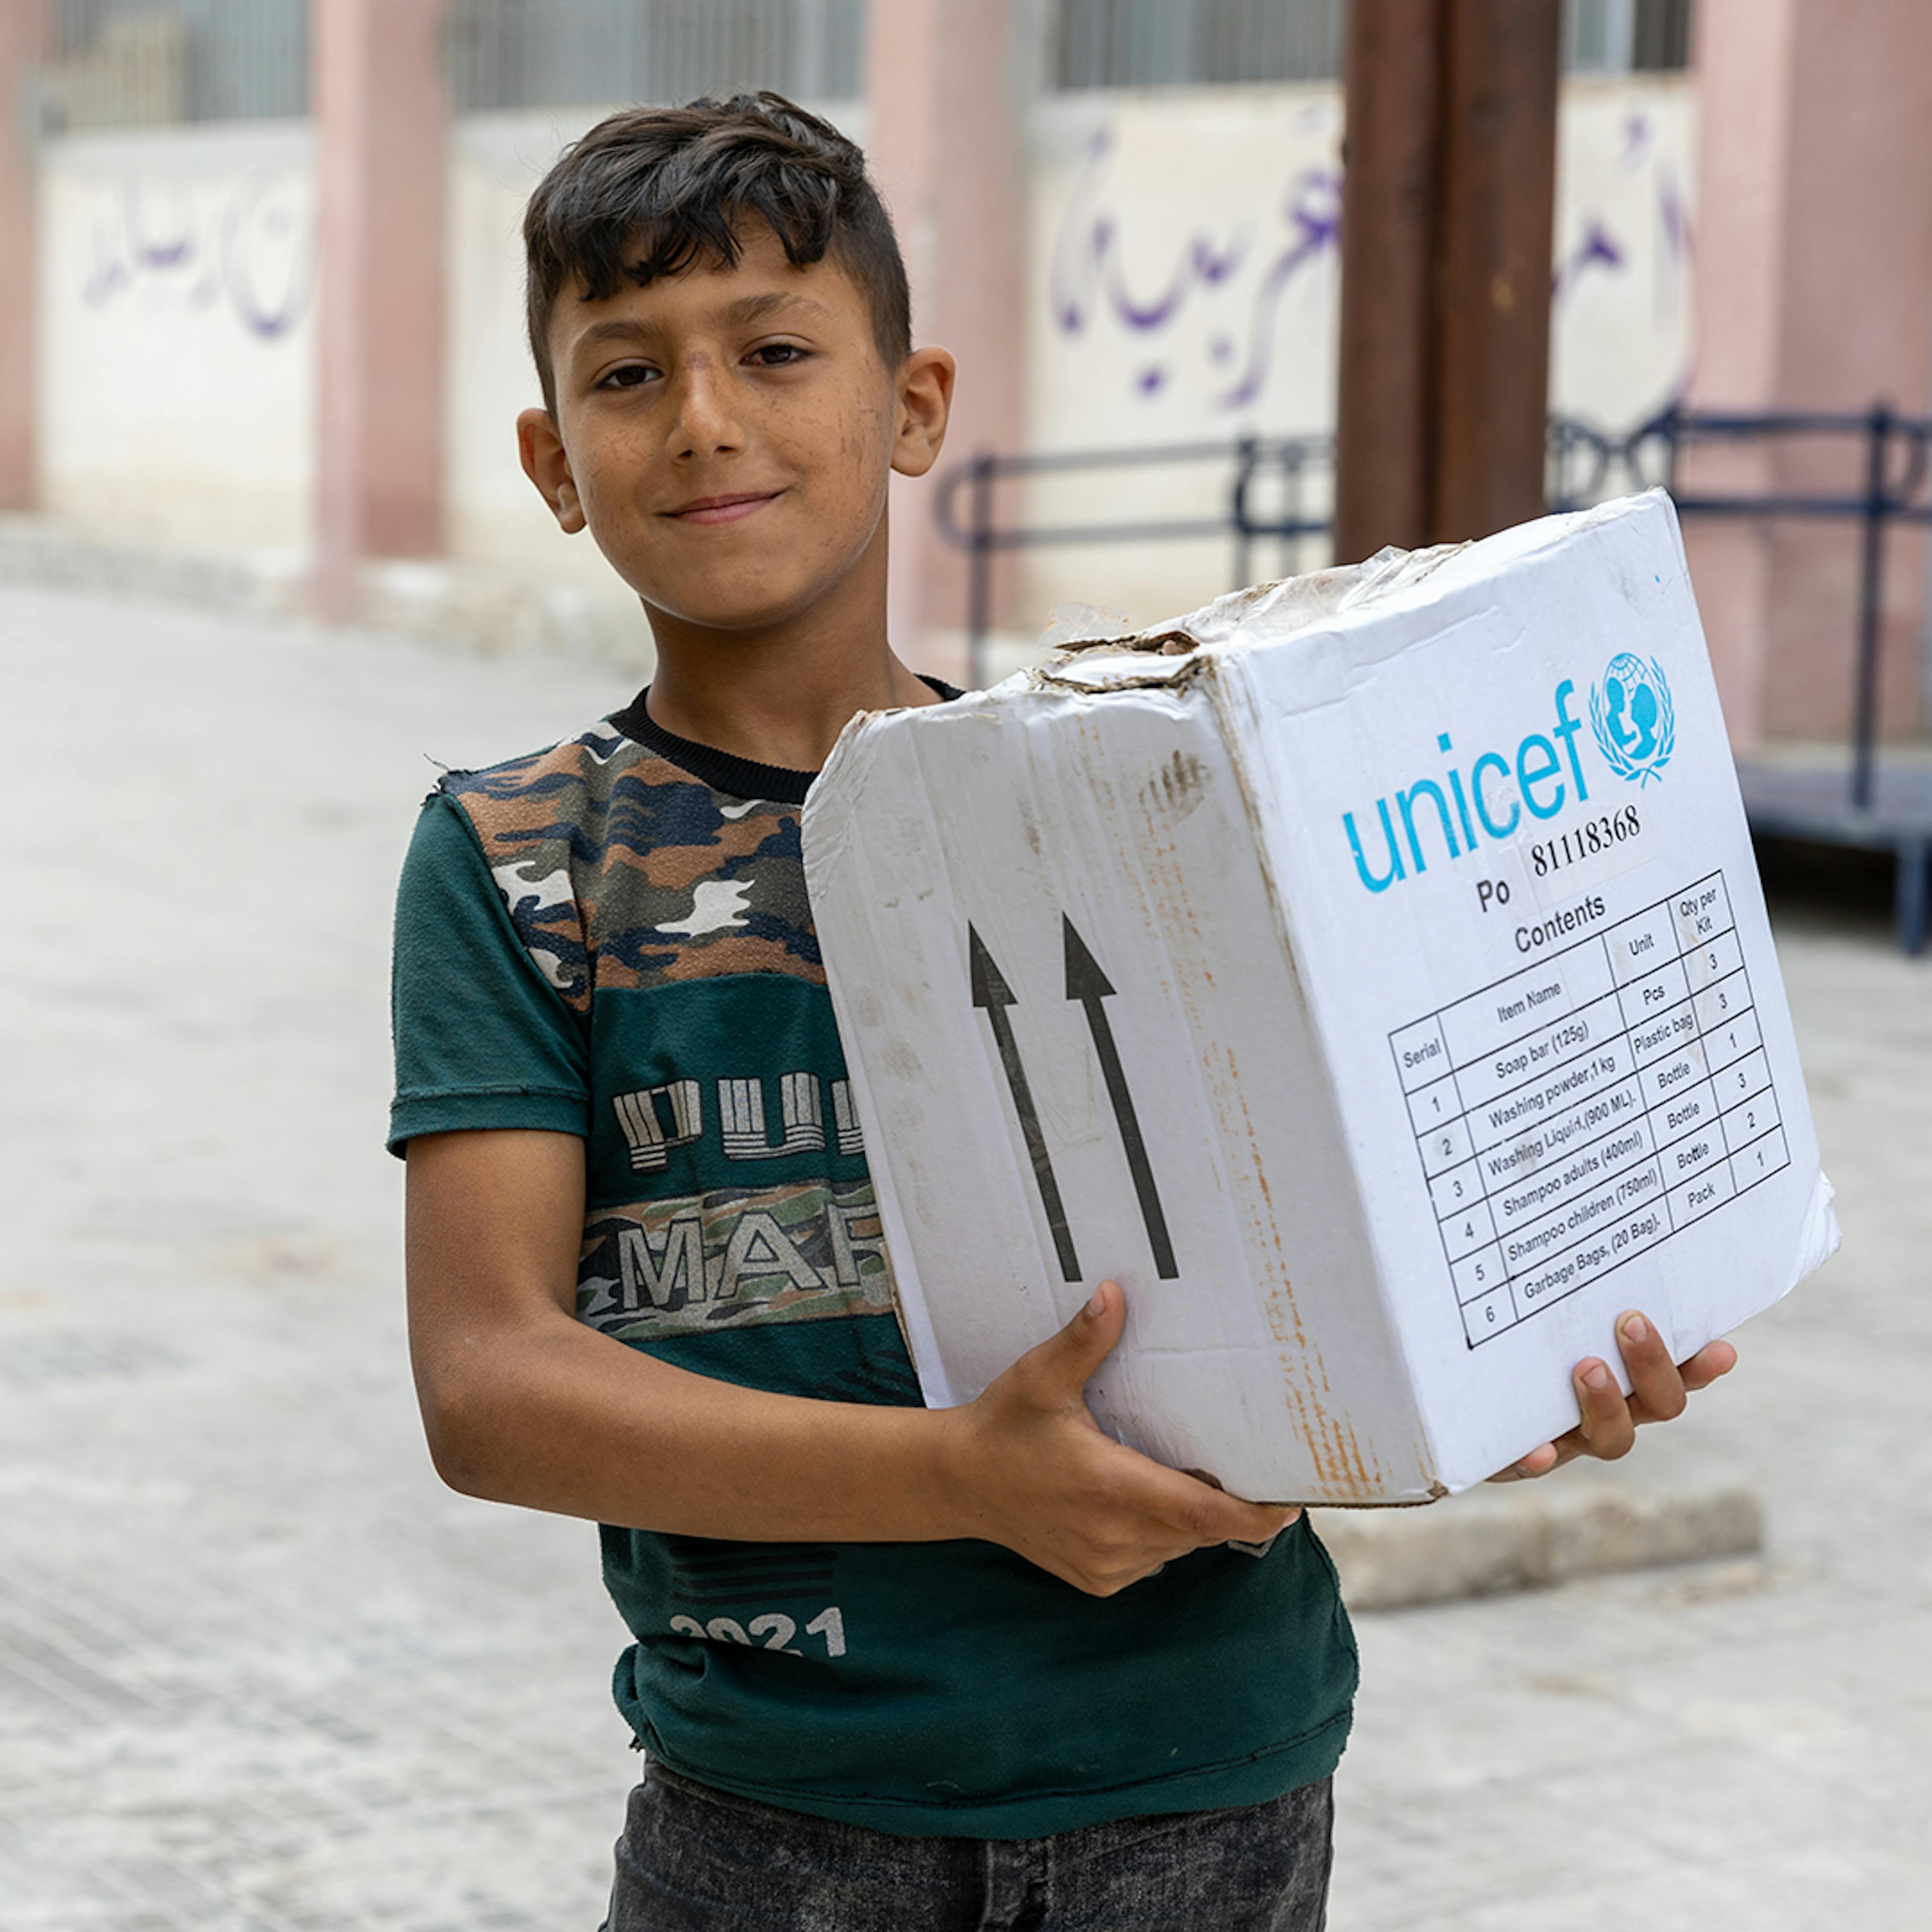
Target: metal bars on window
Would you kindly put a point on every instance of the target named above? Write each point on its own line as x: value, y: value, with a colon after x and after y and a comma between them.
x: 155, y: 63
x: 1205, y: 43
x: 1626, y: 36
x: 1197, y: 42
x: 560, y: 53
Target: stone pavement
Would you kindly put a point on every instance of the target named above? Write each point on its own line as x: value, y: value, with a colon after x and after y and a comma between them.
x: 259, y: 1672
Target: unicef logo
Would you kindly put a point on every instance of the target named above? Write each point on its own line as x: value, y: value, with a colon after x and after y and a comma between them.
x: 1631, y: 714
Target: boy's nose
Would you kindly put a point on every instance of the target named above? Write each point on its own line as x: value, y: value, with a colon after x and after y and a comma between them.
x: 706, y: 425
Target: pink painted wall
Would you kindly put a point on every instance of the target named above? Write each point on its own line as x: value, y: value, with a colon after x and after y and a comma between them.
x: 946, y: 143
x: 21, y: 24
x: 1814, y: 291
x: 381, y: 117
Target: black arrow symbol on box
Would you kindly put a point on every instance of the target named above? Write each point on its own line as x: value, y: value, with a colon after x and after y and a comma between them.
x: 1088, y: 984
x: 991, y: 991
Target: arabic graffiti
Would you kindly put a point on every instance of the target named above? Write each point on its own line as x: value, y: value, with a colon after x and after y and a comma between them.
x: 1601, y: 247
x: 1598, y: 248
x: 1313, y: 211
x: 1088, y: 278
x: 1199, y: 300
x: 247, y: 251
x: 1088, y: 271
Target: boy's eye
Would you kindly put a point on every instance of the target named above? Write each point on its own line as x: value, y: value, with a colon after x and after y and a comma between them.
x: 777, y: 354
x: 626, y: 376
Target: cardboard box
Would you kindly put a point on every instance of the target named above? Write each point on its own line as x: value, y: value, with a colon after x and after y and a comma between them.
x: 1369, y: 971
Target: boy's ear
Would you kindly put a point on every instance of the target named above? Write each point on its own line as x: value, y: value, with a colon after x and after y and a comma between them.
x: 548, y: 465
x: 925, y: 401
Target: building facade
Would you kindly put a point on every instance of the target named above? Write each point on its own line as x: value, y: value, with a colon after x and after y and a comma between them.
x: 266, y: 294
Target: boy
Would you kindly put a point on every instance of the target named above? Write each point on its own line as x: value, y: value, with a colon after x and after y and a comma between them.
x: 893, y: 1667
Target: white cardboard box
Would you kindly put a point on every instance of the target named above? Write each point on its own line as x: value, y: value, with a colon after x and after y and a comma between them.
x: 1369, y: 971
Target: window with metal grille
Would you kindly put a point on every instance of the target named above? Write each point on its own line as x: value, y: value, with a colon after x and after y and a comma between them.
x: 147, y: 63
x: 558, y: 53
x: 1626, y: 36
x: 1200, y: 43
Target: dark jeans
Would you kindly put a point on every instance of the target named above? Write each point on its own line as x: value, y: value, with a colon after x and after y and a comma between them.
x: 695, y: 1859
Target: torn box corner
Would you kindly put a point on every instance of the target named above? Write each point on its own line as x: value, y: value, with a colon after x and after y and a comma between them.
x: 1818, y: 1241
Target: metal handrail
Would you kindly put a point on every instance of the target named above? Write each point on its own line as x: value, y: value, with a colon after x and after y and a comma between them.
x: 1646, y: 455
x: 1886, y: 498
x: 982, y: 536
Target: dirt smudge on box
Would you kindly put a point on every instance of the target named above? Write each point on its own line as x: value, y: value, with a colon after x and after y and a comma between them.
x: 1334, y: 1447
x: 1177, y: 788
x: 899, y: 1060
x: 1182, y: 782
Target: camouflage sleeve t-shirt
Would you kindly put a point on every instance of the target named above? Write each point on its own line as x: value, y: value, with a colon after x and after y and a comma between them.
x: 612, y: 939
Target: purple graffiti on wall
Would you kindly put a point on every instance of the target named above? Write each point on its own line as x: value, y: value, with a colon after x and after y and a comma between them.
x: 1088, y: 278
x: 1088, y: 272
x: 250, y: 252
x: 1089, y: 283
x: 1313, y: 211
x: 1599, y: 248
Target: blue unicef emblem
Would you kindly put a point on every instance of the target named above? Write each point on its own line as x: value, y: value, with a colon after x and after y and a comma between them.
x: 1630, y: 713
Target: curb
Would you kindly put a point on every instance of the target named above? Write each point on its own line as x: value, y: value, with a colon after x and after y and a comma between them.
x: 1522, y: 1538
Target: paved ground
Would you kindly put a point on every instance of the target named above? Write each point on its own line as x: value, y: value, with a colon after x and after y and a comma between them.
x: 259, y: 1673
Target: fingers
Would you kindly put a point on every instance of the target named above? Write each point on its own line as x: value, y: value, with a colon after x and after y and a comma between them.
x: 1031, y: 1469
x: 1539, y: 1461
x: 1181, y: 1508
x: 1656, y: 1390
x: 1205, y: 1514
x: 1607, y: 1429
x: 1057, y: 1371
x: 1713, y: 1360
x: 1141, y: 1515
x: 1659, y: 1391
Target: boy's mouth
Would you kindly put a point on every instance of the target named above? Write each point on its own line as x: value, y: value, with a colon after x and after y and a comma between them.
x: 721, y: 509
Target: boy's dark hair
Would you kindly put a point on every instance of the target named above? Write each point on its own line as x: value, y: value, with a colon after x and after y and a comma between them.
x: 652, y: 191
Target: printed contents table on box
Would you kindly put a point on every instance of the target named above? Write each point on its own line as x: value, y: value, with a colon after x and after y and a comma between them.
x: 1577, y: 1113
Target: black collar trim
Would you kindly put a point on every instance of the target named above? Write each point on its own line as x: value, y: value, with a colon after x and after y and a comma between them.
x: 738, y: 777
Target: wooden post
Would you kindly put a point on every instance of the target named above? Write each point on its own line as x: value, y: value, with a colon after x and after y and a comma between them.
x: 1498, y: 215
x: 1448, y: 215
x: 1384, y: 431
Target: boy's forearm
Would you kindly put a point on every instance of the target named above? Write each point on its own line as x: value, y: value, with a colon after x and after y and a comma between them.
x: 571, y: 1421
x: 524, y: 1404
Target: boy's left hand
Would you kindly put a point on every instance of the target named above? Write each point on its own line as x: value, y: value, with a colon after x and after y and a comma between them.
x: 1659, y: 1389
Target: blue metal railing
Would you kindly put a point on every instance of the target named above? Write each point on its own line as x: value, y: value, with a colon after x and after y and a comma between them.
x: 1290, y: 460
x: 1893, y: 490
x: 1586, y: 465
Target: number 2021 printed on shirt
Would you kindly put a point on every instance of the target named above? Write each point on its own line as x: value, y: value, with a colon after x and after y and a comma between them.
x: 775, y: 1627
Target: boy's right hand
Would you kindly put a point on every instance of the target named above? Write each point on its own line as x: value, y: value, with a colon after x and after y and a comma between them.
x: 1033, y: 1471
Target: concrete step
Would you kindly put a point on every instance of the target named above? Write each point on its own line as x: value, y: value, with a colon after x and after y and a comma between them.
x: 1526, y: 1536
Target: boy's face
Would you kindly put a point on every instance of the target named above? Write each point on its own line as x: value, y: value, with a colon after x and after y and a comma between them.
x: 727, y: 435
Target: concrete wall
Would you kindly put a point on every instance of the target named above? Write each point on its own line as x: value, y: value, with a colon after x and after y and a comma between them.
x: 1815, y: 288
x: 1182, y: 285
x: 176, y: 335
x: 491, y: 515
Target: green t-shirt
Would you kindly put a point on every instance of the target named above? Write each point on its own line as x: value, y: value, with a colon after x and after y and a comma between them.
x: 611, y: 938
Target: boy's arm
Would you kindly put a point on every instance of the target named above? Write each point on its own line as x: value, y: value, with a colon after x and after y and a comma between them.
x: 523, y: 1403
